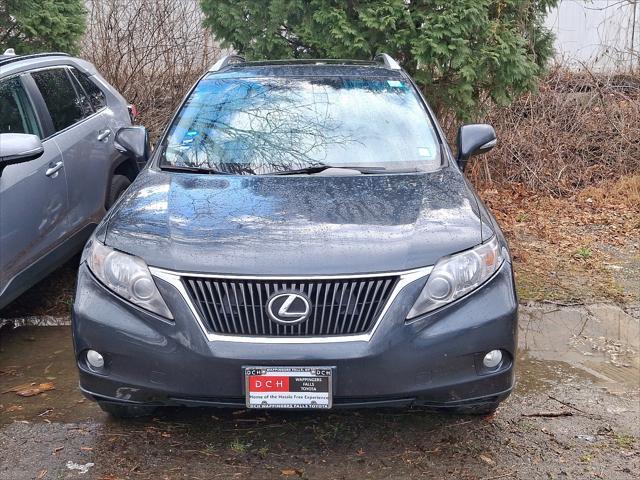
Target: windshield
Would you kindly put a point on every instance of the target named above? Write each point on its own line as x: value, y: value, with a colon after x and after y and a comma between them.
x: 256, y: 126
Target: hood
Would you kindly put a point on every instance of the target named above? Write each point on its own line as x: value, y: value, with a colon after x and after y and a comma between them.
x: 295, y: 225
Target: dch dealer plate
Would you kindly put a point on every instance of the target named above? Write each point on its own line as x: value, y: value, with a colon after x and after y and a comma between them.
x: 288, y: 387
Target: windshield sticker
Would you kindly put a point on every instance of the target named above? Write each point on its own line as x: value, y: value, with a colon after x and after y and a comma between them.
x: 395, y: 83
x: 424, y: 152
x: 189, y: 137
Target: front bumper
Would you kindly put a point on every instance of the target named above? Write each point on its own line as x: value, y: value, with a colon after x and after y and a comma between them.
x: 435, y: 361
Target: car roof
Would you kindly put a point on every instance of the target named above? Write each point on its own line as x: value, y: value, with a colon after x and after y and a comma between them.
x: 7, y: 59
x: 236, y: 66
x: 12, y: 64
x: 306, y: 70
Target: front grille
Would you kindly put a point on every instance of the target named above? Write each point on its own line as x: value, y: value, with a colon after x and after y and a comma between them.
x: 338, y: 306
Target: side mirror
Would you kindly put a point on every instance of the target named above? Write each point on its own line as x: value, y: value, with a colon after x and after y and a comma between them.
x: 134, y: 142
x: 474, y: 139
x: 18, y: 148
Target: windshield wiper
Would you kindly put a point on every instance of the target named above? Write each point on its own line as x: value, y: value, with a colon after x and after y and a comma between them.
x: 322, y: 168
x: 307, y: 170
x: 181, y: 168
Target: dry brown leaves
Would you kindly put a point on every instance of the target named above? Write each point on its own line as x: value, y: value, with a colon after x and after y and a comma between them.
x: 31, y: 389
x: 289, y: 472
x: 551, y: 237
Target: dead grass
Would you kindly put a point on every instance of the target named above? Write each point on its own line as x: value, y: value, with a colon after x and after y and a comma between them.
x: 625, y: 191
x: 581, y: 247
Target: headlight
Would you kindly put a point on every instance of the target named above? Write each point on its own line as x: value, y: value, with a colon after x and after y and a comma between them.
x: 455, y: 276
x: 125, y: 275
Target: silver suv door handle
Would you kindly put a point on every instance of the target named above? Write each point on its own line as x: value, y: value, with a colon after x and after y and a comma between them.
x: 53, y: 169
x: 103, y: 134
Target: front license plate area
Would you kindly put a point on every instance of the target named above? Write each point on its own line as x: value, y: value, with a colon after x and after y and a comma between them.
x: 288, y: 387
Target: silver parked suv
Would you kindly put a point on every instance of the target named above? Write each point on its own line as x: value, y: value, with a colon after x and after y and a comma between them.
x: 64, y: 160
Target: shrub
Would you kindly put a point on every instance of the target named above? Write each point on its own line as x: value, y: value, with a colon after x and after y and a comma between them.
x: 31, y: 26
x: 577, y: 130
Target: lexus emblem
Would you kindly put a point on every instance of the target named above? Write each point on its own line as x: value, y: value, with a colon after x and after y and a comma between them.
x: 288, y: 308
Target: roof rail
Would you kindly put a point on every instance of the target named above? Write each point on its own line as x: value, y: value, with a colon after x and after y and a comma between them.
x: 17, y: 58
x: 387, y: 61
x: 226, y: 61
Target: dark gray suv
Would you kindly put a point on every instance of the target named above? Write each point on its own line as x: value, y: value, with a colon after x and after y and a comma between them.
x: 302, y: 237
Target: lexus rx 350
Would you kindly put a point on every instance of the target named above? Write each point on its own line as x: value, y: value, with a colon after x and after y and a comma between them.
x: 301, y: 237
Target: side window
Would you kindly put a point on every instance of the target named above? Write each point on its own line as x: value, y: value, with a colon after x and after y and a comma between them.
x: 65, y: 106
x: 96, y: 96
x: 83, y: 98
x: 16, y: 111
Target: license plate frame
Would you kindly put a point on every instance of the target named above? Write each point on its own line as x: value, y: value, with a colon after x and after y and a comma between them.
x: 300, y: 388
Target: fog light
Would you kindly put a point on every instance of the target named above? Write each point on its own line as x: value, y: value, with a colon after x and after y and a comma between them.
x: 94, y: 359
x: 492, y: 359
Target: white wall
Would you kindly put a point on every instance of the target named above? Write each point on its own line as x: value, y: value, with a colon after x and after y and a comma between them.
x: 601, y: 34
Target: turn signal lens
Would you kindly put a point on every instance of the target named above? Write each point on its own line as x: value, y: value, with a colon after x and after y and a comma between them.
x: 457, y: 275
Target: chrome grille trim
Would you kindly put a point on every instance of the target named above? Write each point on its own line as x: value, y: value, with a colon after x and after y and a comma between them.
x: 343, y: 306
x: 175, y: 279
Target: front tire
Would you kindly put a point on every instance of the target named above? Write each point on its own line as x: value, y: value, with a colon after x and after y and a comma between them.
x: 119, y: 183
x: 121, y: 410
